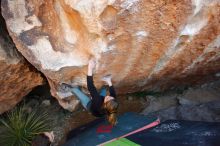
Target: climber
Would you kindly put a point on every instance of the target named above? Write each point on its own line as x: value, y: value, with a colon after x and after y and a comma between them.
x: 99, y: 104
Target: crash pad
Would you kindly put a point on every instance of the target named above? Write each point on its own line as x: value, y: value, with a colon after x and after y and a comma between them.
x: 179, y: 133
x: 99, y: 131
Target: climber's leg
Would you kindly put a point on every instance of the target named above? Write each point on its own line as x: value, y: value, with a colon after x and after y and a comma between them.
x: 84, y: 99
x: 103, y: 92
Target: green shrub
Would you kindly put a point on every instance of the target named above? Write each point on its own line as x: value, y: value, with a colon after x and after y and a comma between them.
x: 18, y: 128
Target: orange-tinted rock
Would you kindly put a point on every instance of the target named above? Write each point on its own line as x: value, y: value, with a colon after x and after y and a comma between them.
x: 17, y: 76
x: 145, y: 45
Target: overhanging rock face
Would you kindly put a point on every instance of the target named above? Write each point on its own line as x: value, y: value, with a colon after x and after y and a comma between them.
x: 17, y: 76
x: 151, y: 45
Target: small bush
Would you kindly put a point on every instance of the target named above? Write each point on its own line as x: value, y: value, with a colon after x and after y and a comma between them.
x: 18, y: 128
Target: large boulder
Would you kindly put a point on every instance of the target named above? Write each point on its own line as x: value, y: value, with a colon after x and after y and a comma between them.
x: 145, y: 45
x: 17, y: 76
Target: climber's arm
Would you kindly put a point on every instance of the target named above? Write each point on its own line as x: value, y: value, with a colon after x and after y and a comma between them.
x: 90, y: 84
x: 108, y: 80
x: 112, y: 91
x: 91, y: 87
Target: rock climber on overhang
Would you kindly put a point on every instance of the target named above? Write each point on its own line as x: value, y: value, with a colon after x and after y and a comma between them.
x: 100, y: 104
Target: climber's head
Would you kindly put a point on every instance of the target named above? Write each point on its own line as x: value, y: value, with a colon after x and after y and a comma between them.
x: 111, y: 107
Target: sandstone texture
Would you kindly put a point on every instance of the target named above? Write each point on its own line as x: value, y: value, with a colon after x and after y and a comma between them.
x: 17, y: 76
x: 144, y: 44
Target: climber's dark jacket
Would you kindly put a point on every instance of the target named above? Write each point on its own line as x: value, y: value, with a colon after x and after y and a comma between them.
x: 96, y: 107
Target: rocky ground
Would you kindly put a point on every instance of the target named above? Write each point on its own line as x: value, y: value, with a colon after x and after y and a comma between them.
x: 201, y: 103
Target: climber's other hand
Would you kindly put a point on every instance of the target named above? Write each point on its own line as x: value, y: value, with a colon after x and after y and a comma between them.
x: 92, y: 64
